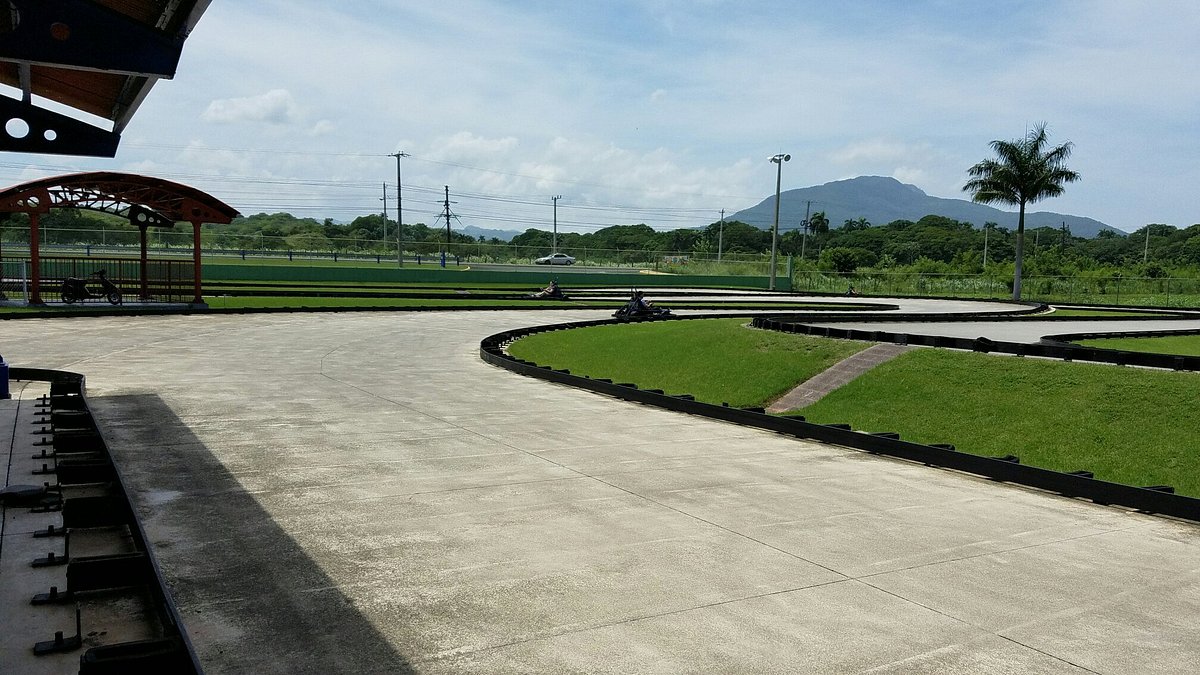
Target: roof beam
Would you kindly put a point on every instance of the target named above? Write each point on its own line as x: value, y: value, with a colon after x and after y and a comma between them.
x: 83, y: 35
x: 51, y: 133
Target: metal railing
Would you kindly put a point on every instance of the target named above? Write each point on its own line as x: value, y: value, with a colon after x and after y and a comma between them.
x: 166, y: 280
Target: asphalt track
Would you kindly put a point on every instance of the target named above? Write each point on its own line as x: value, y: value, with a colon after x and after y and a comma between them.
x: 360, y: 493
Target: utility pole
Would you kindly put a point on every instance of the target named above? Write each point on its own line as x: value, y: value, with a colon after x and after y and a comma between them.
x: 805, y: 225
x: 554, y: 237
x: 384, y: 200
x: 721, y: 235
x: 399, y: 207
x: 447, y: 214
x: 1146, y: 251
x: 987, y: 227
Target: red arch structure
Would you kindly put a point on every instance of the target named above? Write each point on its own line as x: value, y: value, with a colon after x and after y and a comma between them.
x: 146, y: 202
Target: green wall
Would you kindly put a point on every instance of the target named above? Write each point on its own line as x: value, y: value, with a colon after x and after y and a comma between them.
x: 432, y: 274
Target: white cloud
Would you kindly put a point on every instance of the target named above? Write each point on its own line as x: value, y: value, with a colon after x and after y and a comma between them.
x: 674, y: 104
x: 322, y: 128
x: 273, y: 107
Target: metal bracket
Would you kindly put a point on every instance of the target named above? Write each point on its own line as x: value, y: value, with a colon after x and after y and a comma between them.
x: 87, y: 35
x: 60, y: 643
x: 51, y: 133
x: 141, y: 216
x: 52, y: 559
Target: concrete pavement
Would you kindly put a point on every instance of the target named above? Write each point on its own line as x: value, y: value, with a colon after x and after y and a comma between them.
x: 360, y: 493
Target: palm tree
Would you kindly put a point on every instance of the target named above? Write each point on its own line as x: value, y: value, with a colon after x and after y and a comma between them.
x: 817, y: 225
x: 1023, y: 172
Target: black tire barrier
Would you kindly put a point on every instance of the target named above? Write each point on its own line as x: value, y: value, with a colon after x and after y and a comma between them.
x: 1054, y: 347
x: 1079, y: 484
x: 81, y: 456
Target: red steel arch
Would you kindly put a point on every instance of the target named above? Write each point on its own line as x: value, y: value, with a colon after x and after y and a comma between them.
x: 145, y: 201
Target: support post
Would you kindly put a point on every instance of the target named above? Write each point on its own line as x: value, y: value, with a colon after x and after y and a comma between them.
x: 143, y: 259
x: 196, y: 297
x: 35, y: 258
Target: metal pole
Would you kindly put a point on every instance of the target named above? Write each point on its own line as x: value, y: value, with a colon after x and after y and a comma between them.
x: 1146, y: 251
x: 805, y: 226
x: 399, y: 208
x: 384, y: 200
x: 987, y: 228
x: 721, y: 235
x: 778, y: 159
x: 554, y: 237
x: 446, y: 250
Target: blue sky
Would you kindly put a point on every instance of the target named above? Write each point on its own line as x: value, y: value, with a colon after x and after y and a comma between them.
x: 662, y: 111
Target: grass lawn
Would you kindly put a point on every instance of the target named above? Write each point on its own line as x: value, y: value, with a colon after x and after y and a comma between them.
x: 1180, y: 345
x: 1127, y: 425
x: 718, y: 360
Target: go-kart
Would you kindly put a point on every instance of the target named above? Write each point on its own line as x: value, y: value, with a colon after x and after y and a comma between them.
x: 639, y: 309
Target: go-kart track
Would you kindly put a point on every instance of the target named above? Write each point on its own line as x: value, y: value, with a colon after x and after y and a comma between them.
x: 359, y: 492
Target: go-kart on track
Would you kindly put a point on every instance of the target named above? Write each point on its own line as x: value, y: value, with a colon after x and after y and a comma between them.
x: 361, y: 493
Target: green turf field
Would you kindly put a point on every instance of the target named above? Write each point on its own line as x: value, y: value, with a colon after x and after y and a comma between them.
x: 1179, y: 345
x: 1127, y: 425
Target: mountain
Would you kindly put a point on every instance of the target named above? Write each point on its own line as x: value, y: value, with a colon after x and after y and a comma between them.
x: 881, y: 200
x: 502, y: 235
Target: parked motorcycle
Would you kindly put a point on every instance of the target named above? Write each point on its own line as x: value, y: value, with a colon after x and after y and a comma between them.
x: 75, y: 289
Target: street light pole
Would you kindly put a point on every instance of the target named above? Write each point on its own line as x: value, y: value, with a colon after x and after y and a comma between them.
x: 987, y: 227
x: 554, y: 237
x: 384, y: 200
x: 399, y: 207
x: 778, y: 159
x: 721, y: 236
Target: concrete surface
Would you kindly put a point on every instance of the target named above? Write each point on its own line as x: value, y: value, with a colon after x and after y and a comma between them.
x: 360, y: 493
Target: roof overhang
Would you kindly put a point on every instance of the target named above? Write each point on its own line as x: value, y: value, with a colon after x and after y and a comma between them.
x: 142, y: 199
x: 99, y: 57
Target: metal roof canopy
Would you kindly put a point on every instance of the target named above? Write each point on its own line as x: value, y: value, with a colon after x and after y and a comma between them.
x: 97, y: 56
x: 121, y: 194
x: 145, y: 201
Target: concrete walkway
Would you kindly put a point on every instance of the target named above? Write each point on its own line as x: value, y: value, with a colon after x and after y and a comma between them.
x: 841, y: 373
x: 360, y: 493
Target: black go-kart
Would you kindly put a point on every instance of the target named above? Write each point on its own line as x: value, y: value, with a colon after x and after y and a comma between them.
x: 551, y: 292
x: 639, y: 309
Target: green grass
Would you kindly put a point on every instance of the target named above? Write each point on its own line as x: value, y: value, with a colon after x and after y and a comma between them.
x: 716, y: 360
x: 1179, y: 345
x: 1128, y: 425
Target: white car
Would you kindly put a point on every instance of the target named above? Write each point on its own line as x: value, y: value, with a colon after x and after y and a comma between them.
x: 555, y: 259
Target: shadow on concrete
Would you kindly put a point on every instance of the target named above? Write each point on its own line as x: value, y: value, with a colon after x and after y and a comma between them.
x: 251, y: 599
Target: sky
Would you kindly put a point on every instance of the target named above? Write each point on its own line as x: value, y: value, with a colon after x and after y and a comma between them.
x: 661, y: 111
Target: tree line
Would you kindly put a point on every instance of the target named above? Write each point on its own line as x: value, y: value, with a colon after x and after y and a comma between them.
x: 933, y: 244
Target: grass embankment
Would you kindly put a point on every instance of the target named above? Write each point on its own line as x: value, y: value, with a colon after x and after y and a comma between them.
x: 1179, y: 345
x: 1127, y: 425
x: 716, y: 361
